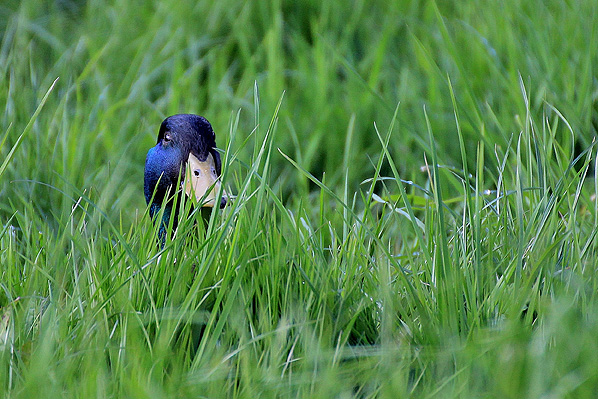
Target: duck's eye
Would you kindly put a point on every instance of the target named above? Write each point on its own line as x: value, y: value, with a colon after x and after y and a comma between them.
x: 196, y: 173
x: 167, y: 138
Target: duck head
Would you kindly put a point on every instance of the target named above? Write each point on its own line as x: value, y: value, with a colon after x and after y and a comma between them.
x: 184, y: 153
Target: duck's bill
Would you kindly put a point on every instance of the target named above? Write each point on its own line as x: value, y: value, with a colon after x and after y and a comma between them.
x: 202, y: 183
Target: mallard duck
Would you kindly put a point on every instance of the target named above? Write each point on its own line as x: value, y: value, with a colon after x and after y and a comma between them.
x: 185, y: 152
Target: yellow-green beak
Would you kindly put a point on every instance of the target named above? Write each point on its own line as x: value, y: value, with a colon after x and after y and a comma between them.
x: 202, y: 183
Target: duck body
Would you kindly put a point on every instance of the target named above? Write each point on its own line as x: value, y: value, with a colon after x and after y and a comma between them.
x: 184, y: 154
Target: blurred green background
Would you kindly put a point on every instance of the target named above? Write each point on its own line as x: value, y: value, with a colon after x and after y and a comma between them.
x: 125, y: 65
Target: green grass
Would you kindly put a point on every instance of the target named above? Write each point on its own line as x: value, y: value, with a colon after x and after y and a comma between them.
x: 415, y: 209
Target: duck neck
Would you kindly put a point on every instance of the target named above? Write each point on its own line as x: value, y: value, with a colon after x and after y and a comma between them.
x: 154, y: 211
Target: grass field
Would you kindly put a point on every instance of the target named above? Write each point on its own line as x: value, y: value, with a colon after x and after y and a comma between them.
x: 415, y: 211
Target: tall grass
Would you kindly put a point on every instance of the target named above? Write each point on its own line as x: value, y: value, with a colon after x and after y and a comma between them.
x: 414, y: 214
